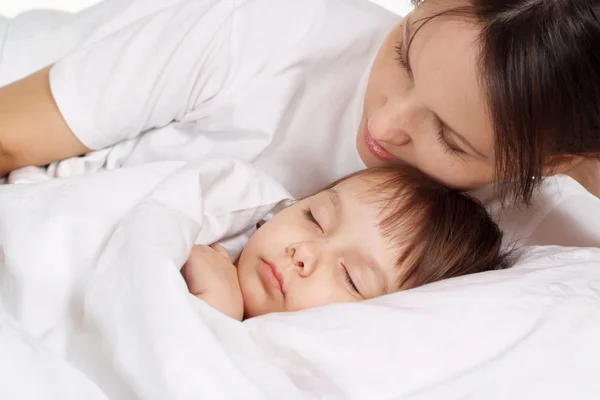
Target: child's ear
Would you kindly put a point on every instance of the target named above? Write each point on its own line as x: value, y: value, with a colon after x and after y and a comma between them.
x: 561, y: 164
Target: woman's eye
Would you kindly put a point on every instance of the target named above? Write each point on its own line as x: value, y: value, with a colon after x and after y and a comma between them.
x: 311, y: 218
x: 445, y: 145
x: 349, y: 280
x: 400, y: 56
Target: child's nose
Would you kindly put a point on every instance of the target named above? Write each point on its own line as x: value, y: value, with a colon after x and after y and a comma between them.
x: 303, y: 256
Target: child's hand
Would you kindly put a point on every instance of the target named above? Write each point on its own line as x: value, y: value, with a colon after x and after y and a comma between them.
x: 211, y: 276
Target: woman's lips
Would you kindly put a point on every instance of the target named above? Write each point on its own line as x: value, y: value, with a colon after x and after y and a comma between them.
x: 375, y: 148
x: 272, y: 277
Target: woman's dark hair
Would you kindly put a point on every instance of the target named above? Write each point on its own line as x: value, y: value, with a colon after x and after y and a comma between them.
x: 540, y: 67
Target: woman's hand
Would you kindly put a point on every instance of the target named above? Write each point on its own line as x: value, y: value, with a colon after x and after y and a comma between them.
x: 211, y: 276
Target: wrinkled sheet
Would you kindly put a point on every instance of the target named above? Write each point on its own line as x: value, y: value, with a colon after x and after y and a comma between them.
x: 92, y: 305
x: 89, y: 269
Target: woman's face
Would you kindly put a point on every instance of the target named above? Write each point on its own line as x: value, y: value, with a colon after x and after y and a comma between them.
x: 427, y: 107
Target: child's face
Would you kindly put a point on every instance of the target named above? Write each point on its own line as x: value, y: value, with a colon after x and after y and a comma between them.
x: 295, y: 262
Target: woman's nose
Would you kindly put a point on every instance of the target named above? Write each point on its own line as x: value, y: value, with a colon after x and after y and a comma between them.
x: 391, y: 124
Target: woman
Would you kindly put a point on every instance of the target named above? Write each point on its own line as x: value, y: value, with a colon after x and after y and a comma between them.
x: 468, y: 91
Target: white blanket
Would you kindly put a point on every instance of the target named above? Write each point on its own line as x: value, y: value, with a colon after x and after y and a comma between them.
x: 92, y: 306
x: 69, y: 245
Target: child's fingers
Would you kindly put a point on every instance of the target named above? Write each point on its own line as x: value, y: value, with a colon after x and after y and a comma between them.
x: 221, y: 250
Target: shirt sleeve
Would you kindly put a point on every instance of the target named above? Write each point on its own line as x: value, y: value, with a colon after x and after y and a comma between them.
x: 562, y: 213
x: 145, y: 74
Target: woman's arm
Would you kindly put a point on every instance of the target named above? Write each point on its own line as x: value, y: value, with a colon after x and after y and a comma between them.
x: 32, y: 130
x: 144, y: 75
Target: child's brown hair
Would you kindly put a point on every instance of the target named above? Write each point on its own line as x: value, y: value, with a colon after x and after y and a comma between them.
x: 439, y: 232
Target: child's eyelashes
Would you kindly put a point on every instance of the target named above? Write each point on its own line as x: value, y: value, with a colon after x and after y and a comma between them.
x: 349, y: 280
x: 311, y: 218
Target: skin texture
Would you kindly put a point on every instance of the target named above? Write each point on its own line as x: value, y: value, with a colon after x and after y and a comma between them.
x: 310, y: 259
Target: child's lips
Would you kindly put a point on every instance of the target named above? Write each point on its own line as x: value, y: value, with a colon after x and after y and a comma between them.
x: 273, y: 276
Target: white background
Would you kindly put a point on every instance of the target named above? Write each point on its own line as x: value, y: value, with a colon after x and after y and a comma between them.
x: 10, y: 8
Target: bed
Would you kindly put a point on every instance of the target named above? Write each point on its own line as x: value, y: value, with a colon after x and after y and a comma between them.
x: 92, y: 304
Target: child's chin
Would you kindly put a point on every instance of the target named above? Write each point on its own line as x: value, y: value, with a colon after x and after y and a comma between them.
x: 252, y: 309
x: 249, y: 312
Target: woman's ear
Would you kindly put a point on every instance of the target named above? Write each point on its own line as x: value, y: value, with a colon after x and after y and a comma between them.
x: 561, y: 164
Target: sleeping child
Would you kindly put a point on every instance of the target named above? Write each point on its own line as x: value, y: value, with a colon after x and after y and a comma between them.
x: 372, y: 233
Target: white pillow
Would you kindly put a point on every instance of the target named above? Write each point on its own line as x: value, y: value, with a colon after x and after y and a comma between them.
x: 525, y: 333
x: 400, y: 7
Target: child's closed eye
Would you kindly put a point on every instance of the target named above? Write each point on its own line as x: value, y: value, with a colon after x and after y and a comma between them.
x: 311, y: 218
x: 349, y: 280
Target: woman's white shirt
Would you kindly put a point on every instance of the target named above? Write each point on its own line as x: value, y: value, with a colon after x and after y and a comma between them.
x: 278, y: 83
